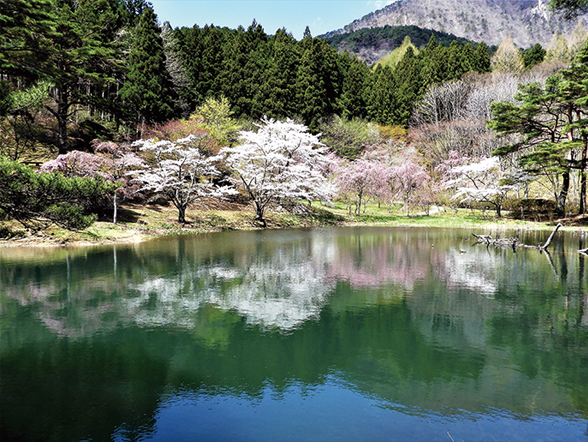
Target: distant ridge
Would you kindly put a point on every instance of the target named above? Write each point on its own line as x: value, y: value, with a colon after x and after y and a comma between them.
x: 371, y: 44
x: 526, y: 21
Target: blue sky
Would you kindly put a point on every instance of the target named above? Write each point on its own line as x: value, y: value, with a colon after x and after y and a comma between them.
x: 294, y: 15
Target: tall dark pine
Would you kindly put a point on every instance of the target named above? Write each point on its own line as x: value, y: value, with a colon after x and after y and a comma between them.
x: 277, y: 92
x: 574, y: 92
x: 318, y: 84
x: 380, y: 96
x: 541, y: 120
x: 409, y: 87
x: 352, y: 103
x: 482, y: 59
x: 148, y: 87
x: 82, y: 55
x: 26, y: 29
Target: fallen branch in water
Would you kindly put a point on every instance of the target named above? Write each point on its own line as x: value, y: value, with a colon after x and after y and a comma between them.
x: 515, y: 242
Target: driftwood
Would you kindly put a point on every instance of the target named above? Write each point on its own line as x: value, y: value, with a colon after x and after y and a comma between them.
x: 515, y: 242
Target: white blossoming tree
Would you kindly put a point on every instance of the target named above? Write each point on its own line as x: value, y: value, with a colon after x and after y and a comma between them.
x: 281, y: 161
x: 180, y: 172
x: 482, y: 182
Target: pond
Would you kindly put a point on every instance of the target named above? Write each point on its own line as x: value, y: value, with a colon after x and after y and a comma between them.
x: 333, y: 334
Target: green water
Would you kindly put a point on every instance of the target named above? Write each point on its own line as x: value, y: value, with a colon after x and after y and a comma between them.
x: 338, y: 334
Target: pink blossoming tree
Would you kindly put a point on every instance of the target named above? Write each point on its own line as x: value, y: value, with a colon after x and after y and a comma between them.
x: 117, y: 162
x: 409, y: 181
x: 362, y: 179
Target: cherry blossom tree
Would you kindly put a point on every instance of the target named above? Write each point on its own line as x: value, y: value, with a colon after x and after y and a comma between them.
x: 409, y: 181
x: 118, y: 161
x: 74, y: 164
x: 281, y: 161
x: 482, y: 182
x: 361, y: 179
x: 180, y: 172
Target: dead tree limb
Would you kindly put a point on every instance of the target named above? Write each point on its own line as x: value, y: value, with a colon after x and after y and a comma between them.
x: 515, y: 242
x: 544, y: 247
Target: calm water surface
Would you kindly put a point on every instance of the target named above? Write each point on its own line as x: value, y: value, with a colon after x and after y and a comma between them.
x: 338, y: 334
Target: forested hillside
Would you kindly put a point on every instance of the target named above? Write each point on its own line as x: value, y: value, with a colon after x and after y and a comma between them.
x: 371, y: 44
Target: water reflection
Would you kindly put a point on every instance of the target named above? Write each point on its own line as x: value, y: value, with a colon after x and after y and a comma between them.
x: 338, y: 321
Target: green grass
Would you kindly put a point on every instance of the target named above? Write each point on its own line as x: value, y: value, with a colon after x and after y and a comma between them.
x: 146, y: 222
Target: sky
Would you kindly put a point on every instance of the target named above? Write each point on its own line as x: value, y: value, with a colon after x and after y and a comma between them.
x: 320, y: 16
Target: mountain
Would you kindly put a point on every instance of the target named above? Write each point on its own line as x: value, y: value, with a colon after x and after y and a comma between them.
x: 526, y: 21
x: 371, y: 44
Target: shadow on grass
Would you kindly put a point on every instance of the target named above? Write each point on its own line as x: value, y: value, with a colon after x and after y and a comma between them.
x: 383, y: 218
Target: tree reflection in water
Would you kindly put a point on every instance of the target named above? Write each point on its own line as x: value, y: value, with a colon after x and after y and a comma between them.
x: 272, y: 316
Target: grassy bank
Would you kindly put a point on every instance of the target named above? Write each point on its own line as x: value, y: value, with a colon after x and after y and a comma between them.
x: 139, y: 223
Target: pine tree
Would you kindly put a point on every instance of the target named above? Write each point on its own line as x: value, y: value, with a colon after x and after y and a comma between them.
x: 83, y: 55
x: 570, y: 8
x: 482, y: 59
x: 318, y: 83
x: 352, y: 102
x: 574, y: 92
x: 433, y: 66
x: 25, y: 38
x: 460, y: 60
x: 552, y: 122
x: 534, y: 55
x: 147, y: 87
x: 277, y: 92
x: 381, y: 97
x: 409, y: 88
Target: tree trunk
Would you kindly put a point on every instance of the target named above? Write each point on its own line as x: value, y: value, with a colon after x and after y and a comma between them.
x: 583, y: 176
x: 182, y: 214
x: 62, y: 113
x: 563, y: 194
x: 115, y: 211
x: 259, y: 214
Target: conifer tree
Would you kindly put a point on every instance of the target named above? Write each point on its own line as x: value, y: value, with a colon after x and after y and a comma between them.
x: 147, y: 86
x: 409, y: 88
x: 433, y: 66
x: 574, y: 92
x: 277, y: 92
x: 27, y: 27
x: 569, y: 8
x: 83, y: 54
x: 457, y: 62
x: 317, y: 82
x: 380, y: 96
x: 352, y: 103
x: 482, y: 59
x: 554, y: 128
x: 534, y: 55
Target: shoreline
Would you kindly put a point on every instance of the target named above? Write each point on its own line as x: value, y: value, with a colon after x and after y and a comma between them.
x: 142, y: 223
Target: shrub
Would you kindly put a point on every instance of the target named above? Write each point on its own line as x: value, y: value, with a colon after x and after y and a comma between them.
x: 532, y: 208
x: 35, y: 199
